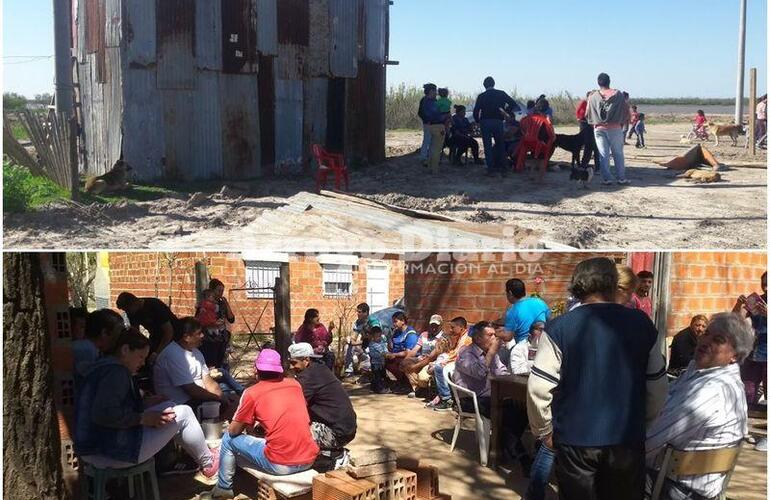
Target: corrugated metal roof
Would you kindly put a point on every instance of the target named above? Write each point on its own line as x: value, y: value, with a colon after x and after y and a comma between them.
x: 267, y: 27
x: 288, y: 126
x: 144, y: 146
x: 207, y: 128
x: 113, y: 19
x: 240, y: 126
x: 176, y: 35
x: 208, y: 34
x: 140, y: 32
x: 343, y: 58
x: 375, y: 14
x: 318, y: 48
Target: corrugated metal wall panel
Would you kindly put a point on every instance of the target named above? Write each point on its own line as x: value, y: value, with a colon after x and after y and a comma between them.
x: 207, y: 133
x: 144, y: 146
x: 240, y: 126
x: 318, y: 48
x: 113, y: 19
x: 266, y: 85
x: 86, y: 112
x: 293, y: 22
x: 80, y: 21
x: 208, y: 34
x: 291, y: 62
x: 267, y: 27
x: 316, y: 91
x: 239, y: 39
x: 176, y: 34
x: 365, y: 115
x: 375, y: 15
x: 178, y: 116
x: 288, y: 126
x: 113, y: 108
x: 94, y: 25
x: 343, y: 58
x: 140, y: 32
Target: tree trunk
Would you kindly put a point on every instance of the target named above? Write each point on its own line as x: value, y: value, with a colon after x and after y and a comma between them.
x: 31, y: 442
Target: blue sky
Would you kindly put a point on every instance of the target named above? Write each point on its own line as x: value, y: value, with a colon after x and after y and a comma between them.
x: 651, y: 48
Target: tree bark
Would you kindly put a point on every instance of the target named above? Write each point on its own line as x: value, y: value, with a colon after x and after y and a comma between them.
x: 31, y: 442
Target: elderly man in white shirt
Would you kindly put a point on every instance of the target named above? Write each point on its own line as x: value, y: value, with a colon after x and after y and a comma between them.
x: 705, y: 408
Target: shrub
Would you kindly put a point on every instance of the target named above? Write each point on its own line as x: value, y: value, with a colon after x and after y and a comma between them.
x: 23, y: 191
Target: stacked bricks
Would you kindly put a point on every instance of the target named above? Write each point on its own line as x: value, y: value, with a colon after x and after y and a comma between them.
x: 339, y: 486
x: 427, y: 476
x: 710, y: 282
x: 266, y: 492
x: 473, y: 285
x: 378, y: 465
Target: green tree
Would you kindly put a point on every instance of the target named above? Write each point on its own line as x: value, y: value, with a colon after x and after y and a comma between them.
x: 13, y: 101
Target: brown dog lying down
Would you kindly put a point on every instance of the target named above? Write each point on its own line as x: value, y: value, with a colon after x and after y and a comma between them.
x: 114, y: 180
x: 731, y: 131
x: 700, y: 176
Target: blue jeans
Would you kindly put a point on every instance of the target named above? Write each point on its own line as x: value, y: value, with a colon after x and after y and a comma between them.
x: 539, y: 473
x: 228, y: 382
x: 610, y: 140
x: 252, y: 450
x: 425, y: 148
x: 441, y: 386
x: 494, y: 156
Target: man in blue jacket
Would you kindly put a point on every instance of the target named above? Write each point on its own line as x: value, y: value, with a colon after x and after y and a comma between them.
x: 488, y: 113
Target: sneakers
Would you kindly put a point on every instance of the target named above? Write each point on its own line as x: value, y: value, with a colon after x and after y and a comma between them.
x: 443, y: 405
x: 761, y: 444
x: 217, y: 493
x: 213, y: 468
x: 384, y: 390
x: 411, y: 395
x: 343, y: 460
x: 607, y: 183
x: 624, y: 181
x: 179, y: 468
x: 433, y: 402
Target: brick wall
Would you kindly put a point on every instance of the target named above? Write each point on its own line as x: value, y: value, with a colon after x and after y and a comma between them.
x: 709, y: 282
x: 475, y: 287
x: 147, y: 274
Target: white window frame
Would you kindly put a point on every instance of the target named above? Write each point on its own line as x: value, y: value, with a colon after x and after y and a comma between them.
x: 258, y: 273
x: 386, y: 268
x: 337, y: 274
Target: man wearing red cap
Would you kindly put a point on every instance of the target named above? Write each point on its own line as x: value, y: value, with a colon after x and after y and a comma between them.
x: 277, y: 404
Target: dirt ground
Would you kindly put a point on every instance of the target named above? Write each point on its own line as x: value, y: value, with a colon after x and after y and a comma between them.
x: 656, y: 210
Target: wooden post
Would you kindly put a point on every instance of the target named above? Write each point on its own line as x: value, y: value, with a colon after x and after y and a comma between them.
x: 282, y: 310
x: 752, y: 137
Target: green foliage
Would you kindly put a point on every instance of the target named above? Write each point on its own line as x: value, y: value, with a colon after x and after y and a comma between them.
x: 23, y: 191
x: 13, y: 101
x: 18, y: 131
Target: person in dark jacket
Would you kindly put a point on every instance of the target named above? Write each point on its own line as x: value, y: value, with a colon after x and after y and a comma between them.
x: 115, y: 428
x: 428, y: 89
x: 488, y: 113
x: 461, y: 137
x: 333, y: 420
x: 433, y: 128
x: 683, y: 345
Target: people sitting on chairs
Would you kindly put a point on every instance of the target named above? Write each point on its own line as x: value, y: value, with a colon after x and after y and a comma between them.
x: 332, y: 418
x: 523, y: 310
x: 181, y: 373
x: 402, y: 344
x: 359, y: 341
x: 277, y: 404
x: 446, y: 351
x: 315, y: 333
x: 460, y: 138
x: 523, y: 353
x: 705, y: 408
x: 472, y: 371
x: 684, y: 343
x: 417, y: 367
x: 116, y: 428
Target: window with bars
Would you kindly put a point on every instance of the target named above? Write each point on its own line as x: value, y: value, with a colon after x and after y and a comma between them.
x: 261, y: 276
x: 63, y: 325
x: 67, y: 387
x: 338, y: 280
x: 59, y: 262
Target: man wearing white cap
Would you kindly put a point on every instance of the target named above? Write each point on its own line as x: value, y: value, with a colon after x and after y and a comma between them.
x: 417, y: 368
x: 332, y: 418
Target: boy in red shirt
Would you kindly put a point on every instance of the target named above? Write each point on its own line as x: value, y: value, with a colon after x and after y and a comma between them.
x: 278, y: 405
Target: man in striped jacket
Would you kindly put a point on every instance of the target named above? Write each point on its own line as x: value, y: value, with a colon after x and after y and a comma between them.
x: 705, y: 408
x: 599, y: 377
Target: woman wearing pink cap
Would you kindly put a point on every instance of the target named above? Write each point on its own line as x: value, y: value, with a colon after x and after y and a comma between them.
x: 277, y: 404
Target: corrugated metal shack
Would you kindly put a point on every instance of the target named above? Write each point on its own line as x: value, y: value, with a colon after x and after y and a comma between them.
x: 197, y: 89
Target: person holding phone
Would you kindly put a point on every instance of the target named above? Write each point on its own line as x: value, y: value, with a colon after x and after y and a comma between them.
x: 754, y: 369
x: 116, y: 428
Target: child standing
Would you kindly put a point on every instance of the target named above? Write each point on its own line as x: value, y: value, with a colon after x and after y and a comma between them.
x: 640, y: 130
x: 634, y: 119
x: 378, y: 346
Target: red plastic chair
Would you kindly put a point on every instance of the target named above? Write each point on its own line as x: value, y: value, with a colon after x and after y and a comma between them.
x: 531, y: 127
x: 329, y: 162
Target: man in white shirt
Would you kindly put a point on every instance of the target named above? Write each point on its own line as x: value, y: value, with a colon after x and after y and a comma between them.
x: 523, y: 353
x: 705, y: 408
x: 180, y: 371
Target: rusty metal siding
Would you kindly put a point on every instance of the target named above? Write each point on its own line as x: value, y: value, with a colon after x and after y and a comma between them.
x: 239, y: 40
x: 113, y: 19
x: 315, y: 92
x: 318, y: 48
x: 291, y: 62
x: 113, y: 108
x: 375, y: 13
x: 267, y: 27
x: 176, y: 44
x: 240, y: 126
x: 365, y: 115
x: 288, y: 126
x: 266, y: 91
x: 144, y: 147
x: 94, y: 25
x: 208, y: 34
x: 178, y: 116
x: 293, y: 22
x: 207, y: 128
x: 139, y: 30
x: 343, y: 57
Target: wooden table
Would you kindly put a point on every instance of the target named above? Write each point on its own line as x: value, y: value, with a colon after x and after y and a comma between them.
x: 503, y: 387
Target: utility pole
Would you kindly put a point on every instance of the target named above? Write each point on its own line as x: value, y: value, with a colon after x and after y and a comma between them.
x: 741, y: 63
x: 62, y: 29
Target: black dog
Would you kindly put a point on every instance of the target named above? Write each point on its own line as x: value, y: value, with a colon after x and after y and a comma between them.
x: 572, y: 143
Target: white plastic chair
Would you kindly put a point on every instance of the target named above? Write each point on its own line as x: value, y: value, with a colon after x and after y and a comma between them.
x: 483, y: 424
